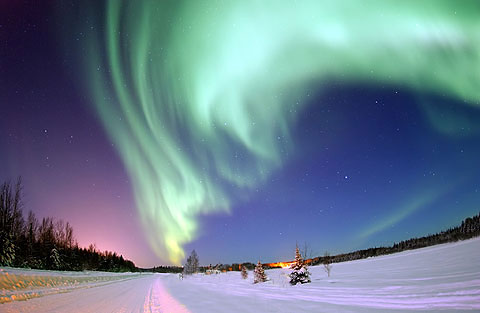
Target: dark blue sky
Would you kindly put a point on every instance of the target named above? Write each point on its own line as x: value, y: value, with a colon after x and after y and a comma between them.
x: 371, y: 162
x: 367, y: 155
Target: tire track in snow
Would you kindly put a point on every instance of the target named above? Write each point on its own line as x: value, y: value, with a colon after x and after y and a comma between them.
x: 159, y: 300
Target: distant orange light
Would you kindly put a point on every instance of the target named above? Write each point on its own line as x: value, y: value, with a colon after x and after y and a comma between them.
x: 281, y: 264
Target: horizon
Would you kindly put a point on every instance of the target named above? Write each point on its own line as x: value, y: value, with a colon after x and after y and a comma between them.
x: 195, y: 130
x: 280, y: 263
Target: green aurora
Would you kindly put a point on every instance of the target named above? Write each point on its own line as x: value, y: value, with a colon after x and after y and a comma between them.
x: 196, y: 94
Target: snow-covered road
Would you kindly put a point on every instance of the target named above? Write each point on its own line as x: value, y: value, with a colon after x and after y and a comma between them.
x: 443, y: 278
x: 143, y: 293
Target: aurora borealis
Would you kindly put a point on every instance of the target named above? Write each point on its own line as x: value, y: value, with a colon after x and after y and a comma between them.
x: 228, y: 107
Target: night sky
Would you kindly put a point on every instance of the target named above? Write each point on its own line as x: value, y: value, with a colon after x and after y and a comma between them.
x: 239, y: 129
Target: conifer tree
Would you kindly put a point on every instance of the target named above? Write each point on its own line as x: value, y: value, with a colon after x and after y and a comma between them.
x: 259, y: 275
x: 7, y: 249
x: 300, y: 273
x: 55, y: 261
x: 244, y: 272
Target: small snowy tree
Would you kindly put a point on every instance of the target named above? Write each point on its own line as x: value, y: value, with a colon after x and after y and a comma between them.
x: 259, y: 275
x: 300, y: 273
x: 327, y: 263
x: 7, y: 249
x: 55, y: 259
x: 244, y: 272
x: 192, y: 264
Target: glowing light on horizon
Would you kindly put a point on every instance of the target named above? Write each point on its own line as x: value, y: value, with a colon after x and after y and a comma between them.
x: 281, y: 264
x: 199, y: 96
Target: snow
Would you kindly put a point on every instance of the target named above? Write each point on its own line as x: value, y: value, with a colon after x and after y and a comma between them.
x: 442, y: 278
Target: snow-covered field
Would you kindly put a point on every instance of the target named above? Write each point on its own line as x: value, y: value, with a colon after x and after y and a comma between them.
x: 443, y: 278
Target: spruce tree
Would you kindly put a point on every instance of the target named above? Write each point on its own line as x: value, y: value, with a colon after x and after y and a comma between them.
x: 300, y: 273
x: 259, y: 275
x: 55, y: 260
x: 244, y: 272
x: 7, y: 249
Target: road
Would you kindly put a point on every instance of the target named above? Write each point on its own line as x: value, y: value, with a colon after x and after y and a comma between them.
x: 145, y: 293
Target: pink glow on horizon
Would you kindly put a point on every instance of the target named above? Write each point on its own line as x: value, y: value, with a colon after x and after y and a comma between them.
x: 98, y: 216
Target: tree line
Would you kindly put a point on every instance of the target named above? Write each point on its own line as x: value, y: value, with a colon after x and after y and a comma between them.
x: 48, y: 243
x: 469, y: 228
